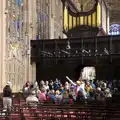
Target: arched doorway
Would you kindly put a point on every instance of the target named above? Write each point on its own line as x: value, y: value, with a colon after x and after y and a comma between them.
x: 78, y: 70
x: 61, y: 69
x: 85, y: 72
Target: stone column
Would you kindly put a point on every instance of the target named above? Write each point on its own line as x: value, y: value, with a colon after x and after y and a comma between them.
x: 34, y: 71
x: 32, y: 35
x: 51, y: 18
x: 2, y: 43
x: 26, y: 27
x: 108, y: 22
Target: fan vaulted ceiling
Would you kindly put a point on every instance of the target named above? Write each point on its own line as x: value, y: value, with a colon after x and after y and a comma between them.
x: 114, y: 7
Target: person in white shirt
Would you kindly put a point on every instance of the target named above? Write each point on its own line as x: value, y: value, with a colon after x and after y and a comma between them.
x: 32, y: 99
x: 80, y: 86
x: 67, y: 86
x: 108, y: 93
x: 36, y: 88
x: 58, y: 97
x: 47, y: 86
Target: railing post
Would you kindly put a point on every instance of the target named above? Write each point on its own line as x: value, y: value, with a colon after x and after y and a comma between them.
x: 82, y: 50
x: 96, y: 49
x: 56, y: 51
x: 110, y: 49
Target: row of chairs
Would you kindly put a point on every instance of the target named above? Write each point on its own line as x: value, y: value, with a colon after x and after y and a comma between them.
x: 93, y: 111
x: 85, y: 110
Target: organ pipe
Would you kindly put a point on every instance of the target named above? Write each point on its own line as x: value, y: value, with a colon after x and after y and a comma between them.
x: 92, y: 20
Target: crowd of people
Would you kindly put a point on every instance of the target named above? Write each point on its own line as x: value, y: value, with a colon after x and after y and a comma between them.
x: 68, y: 93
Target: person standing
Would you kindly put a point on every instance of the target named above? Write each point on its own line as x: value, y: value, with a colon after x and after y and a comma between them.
x: 7, y: 97
x: 80, y: 86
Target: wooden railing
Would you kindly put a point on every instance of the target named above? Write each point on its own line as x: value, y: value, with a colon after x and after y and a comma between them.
x: 92, y: 47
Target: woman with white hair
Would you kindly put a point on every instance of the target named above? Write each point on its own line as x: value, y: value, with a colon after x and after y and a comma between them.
x: 67, y: 86
x: 47, y: 86
x: 36, y: 88
x: 100, y: 96
x: 32, y: 100
x: 108, y: 93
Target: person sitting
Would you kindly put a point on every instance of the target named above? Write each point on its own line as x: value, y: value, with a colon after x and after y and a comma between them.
x: 58, y: 97
x: 66, y: 97
x: 42, y: 85
x: 92, y: 95
x: 67, y: 86
x: 61, y: 90
x: 72, y: 92
x: 51, y: 86
x: 26, y: 89
x: 71, y: 99
x: 80, y: 97
x: 92, y: 84
x: 108, y: 93
x: 88, y: 89
x: 32, y: 100
x: 52, y: 96
x: 56, y: 85
x: 47, y: 86
x: 99, y: 94
x: 42, y: 96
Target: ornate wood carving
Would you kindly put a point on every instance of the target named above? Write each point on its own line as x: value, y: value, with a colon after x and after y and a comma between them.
x: 77, y: 14
x: 52, y: 56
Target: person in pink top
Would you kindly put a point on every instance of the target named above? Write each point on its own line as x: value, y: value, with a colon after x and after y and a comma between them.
x: 42, y: 96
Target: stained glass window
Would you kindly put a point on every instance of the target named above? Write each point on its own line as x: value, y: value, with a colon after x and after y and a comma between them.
x: 42, y: 19
x: 114, y: 29
x: 15, y: 19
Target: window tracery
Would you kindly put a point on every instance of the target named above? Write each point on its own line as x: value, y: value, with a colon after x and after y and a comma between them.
x: 42, y: 19
x: 15, y: 62
x: 114, y: 29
